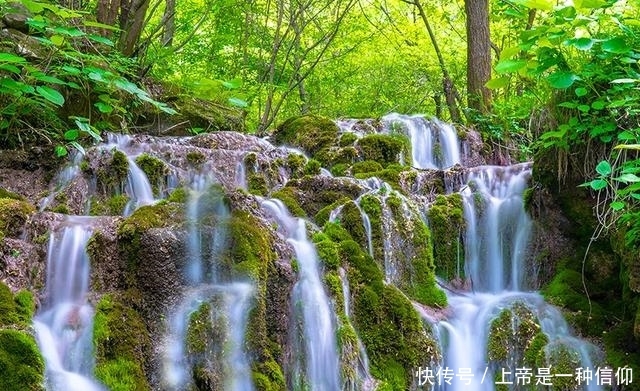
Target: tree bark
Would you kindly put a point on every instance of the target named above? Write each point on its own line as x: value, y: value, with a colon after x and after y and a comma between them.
x: 478, y: 55
x: 169, y: 23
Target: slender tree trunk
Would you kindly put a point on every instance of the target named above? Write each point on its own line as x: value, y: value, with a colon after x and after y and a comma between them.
x: 107, y: 13
x: 169, y: 23
x: 449, y: 87
x: 478, y: 55
x: 132, y: 16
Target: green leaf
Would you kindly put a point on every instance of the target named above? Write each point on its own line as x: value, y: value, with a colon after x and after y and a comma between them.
x: 83, y: 125
x: 69, y: 31
x: 628, y: 178
x: 617, y: 205
x: 581, y: 91
x: 10, y: 68
x: 624, y: 81
x: 48, y: 79
x: 598, y: 184
x: 103, y: 107
x: 584, y: 108
x: 598, y: 105
x: 12, y: 58
x: 562, y: 79
x: 545, y: 5
x: 589, y: 3
x: 100, y: 39
x: 505, y: 66
x: 615, y: 45
x: 603, y: 168
x: 60, y: 151
x: 57, y: 40
x: 71, y: 70
x: 71, y: 134
x: 51, y: 95
x: 89, y: 23
x: 237, y: 102
x: 627, y: 135
x: 233, y: 83
x: 499, y: 82
x: 581, y: 43
x: 78, y: 147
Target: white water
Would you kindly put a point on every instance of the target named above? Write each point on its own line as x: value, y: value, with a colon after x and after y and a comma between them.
x: 498, y: 231
x: 64, y: 326
x: 316, y: 366
x: 206, y: 216
x: 434, y: 144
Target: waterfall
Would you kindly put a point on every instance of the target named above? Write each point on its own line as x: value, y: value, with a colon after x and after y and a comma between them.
x: 498, y: 230
x: 216, y: 302
x: 64, y: 325
x: 316, y: 366
x: 434, y: 144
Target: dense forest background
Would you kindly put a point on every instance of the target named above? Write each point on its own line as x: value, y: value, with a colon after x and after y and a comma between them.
x: 533, y: 76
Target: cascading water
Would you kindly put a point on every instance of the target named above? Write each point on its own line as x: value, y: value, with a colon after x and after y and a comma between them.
x: 64, y: 325
x: 316, y: 365
x: 496, y: 241
x: 434, y: 144
x: 225, y: 303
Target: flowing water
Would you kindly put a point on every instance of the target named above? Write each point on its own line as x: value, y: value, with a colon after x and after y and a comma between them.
x: 226, y: 303
x: 316, y: 365
x: 64, y: 325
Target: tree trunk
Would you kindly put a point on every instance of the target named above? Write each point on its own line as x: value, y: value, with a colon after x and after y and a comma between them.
x: 132, y: 16
x: 107, y: 13
x: 478, y: 55
x: 169, y: 23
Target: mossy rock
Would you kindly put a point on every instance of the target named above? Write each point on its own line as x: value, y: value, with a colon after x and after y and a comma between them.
x: 112, y: 174
x: 392, y: 174
x: 323, y: 215
x: 112, y: 206
x: 347, y: 139
x: 13, y: 216
x: 366, y: 166
x: 155, y: 169
x: 515, y: 335
x: 4, y: 193
x: 204, y: 115
x: 21, y: 364
x: 289, y: 197
x: 314, y: 193
x: 309, y: 132
x: 382, y: 148
x: 122, y: 345
x: 446, y: 220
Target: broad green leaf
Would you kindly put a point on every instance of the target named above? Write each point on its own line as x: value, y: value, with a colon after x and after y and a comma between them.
x: 624, y: 81
x: 581, y: 91
x: 103, y: 107
x: 60, y: 151
x: 71, y: 70
x: 627, y: 135
x: 100, y: 39
x: 603, y: 168
x: 237, y: 102
x: 89, y: 23
x: 499, y: 82
x: 10, y: 86
x: 598, y: 105
x: 57, y: 40
x: 581, y: 43
x: 510, y: 65
x: 49, y: 79
x: 598, y: 184
x: 628, y: 178
x: 589, y: 3
x: 12, y: 58
x: 562, y: 79
x: 71, y: 134
x: 163, y: 107
x: 507, y: 53
x: 568, y: 105
x: 69, y: 31
x: 617, y: 205
x: 615, y: 45
x: 233, y: 83
x: 77, y: 146
x: 545, y: 5
x: 584, y: 108
x: 51, y: 95
x: 83, y: 125
x: 128, y: 86
x: 10, y: 68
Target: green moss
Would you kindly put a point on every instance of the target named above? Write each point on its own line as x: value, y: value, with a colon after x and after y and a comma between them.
x: 371, y: 205
x: 200, y: 329
x: 391, y: 175
x: 257, y: 184
x: 25, y: 306
x: 382, y: 148
x: 250, y: 249
x: 62, y: 209
x: 8, y: 310
x: 296, y: 164
x: 323, y: 215
x: 339, y: 169
x: 196, y: 159
x: 312, y: 167
x: 327, y: 251
x: 351, y: 220
x: 289, y: 197
x: 13, y: 216
x: 112, y: 206
x: 311, y: 133
x: 4, y: 193
x: 21, y: 365
x: 179, y: 195
x: 446, y: 220
x: 366, y: 166
x: 347, y: 139
x: 155, y: 169
x: 122, y: 345
x: 113, y: 174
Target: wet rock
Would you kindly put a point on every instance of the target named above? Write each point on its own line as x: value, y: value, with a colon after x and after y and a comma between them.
x: 29, y: 184
x: 17, y: 17
x: 22, y: 264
